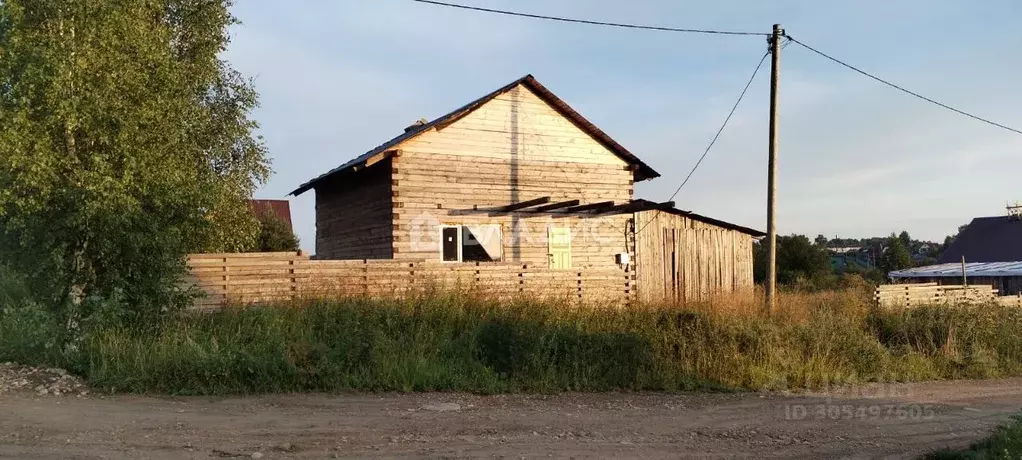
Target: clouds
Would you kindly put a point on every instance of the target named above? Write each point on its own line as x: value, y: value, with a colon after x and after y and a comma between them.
x: 857, y: 159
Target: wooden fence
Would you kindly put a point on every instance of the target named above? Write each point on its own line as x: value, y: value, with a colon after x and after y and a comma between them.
x: 914, y: 295
x: 263, y: 277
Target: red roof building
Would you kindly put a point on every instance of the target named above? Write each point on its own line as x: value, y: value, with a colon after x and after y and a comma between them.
x: 281, y: 208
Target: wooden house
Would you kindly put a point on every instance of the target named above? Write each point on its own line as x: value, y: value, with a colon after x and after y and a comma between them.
x: 519, y: 176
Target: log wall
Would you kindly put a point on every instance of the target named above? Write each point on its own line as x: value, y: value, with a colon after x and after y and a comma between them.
x: 514, y: 148
x: 353, y: 215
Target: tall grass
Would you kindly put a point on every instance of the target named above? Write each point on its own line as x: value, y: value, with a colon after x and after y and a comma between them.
x: 456, y: 342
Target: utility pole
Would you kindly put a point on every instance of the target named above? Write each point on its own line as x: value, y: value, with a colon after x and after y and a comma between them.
x: 965, y: 277
x: 775, y: 73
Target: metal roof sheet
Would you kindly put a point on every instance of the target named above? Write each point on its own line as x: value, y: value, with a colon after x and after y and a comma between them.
x: 953, y: 270
x: 709, y: 220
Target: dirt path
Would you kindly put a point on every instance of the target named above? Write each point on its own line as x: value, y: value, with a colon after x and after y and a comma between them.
x: 887, y: 421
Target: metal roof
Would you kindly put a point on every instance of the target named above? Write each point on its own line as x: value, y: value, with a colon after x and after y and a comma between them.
x: 995, y: 269
x: 643, y: 171
x: 708, y: 220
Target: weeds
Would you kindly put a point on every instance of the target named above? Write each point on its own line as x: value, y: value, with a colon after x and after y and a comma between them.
x: 455, y: 342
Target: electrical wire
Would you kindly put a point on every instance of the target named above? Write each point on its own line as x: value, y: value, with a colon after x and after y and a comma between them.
x: 715, y: 137
x: 902, y: 89
x: 585, y: 21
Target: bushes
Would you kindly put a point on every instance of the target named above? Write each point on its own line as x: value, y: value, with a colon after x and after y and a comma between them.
x: 30, y: 334
x: 275, y: 235
x: 13, y: 288
x: 451, y: 342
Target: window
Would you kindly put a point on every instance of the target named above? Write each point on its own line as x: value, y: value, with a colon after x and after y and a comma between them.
x: 471, y: 243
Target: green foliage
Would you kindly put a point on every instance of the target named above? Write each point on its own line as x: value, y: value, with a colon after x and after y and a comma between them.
x: 798, y: 261
x: 30, y: 334
x: 274, y: 235
x: 895, y: 256
x: 926, y: 252
x: 13, y: 288
x: 125, y: 143
x: 905, y: 238
x: 871, y: 276
x: 455, y: 343
x: 1006, y: 444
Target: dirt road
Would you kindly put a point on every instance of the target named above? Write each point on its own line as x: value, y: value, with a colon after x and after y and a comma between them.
x: 884, y: 421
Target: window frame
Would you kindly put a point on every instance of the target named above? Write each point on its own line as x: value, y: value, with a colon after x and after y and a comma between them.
x: 461, y: 240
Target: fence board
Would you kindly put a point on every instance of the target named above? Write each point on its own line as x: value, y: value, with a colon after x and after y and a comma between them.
x: 250, y: 278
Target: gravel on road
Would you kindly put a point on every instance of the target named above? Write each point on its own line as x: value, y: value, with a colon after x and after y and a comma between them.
x: 43, y: 381
x: 890, y: 421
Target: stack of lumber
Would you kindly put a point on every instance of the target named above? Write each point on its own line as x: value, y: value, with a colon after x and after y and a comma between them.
x: 914, y: 295
x: 1010, y: 300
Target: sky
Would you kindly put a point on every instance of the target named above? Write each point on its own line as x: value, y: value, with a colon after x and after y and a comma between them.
x: 856, y: 159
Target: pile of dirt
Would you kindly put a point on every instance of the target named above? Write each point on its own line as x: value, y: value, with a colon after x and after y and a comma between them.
x: 42, y: 381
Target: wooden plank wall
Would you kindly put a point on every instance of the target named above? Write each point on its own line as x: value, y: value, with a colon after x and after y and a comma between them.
x: 353, y: 215
x: 265, y: 277
x: 678, y: 259
x: 513, y: 148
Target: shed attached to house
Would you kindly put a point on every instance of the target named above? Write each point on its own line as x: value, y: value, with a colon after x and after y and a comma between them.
x: 683, y: 256
x: 514, y: 176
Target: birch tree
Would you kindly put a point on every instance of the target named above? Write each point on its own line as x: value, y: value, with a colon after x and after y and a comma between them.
x: 125, y: 142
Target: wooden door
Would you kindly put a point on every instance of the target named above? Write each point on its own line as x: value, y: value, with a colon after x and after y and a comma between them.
x: 559, y: 240
x: 450, y: 244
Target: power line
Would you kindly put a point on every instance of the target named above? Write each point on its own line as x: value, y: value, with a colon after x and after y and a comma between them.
x: 585, y: 21
x: 715, y: 137
x: 902, y: 89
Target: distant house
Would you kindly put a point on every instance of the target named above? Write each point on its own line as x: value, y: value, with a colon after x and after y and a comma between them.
x: 279, y: 208
x: 850, y: 257
x: 992, y: 248
x: 519, y: 176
